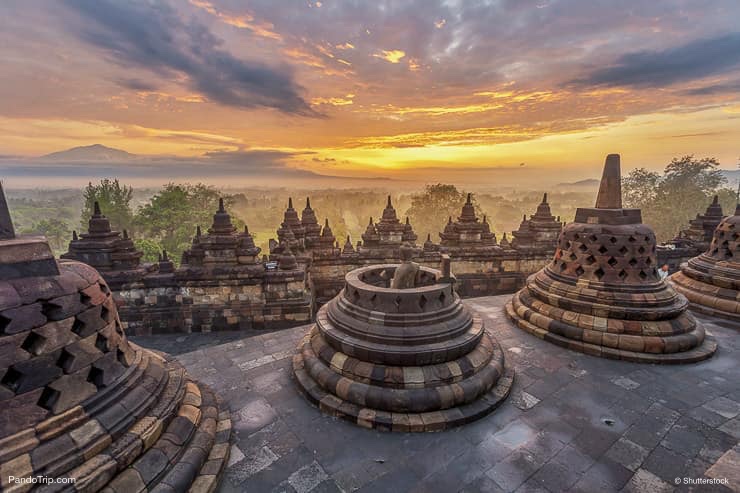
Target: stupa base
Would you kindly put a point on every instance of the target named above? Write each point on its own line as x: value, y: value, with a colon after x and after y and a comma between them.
x: 322, y: 385
x: 522, y: 319
x: 708, y: 299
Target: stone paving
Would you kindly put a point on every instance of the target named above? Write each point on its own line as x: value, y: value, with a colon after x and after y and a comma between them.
x: 573, y: 422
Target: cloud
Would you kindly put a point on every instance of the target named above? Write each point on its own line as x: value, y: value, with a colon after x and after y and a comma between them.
x: 652, y: 69
x: 153, y: 36
x: 137, y: 85
x: 713, y: 89
x: 392, y: 56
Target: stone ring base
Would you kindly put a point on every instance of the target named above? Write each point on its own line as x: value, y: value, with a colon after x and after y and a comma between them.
x: 699, y: 353
x: 381, y: 420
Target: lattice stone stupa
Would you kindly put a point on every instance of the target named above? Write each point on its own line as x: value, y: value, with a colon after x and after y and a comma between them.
x: 601, y: 293
x: 79, y: 400
x: 711, y: 281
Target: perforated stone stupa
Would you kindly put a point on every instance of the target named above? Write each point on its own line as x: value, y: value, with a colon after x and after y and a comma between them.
x: 79, y: 400
x: 413, y: 359
x: 601, y: 293
x: 711, y: 281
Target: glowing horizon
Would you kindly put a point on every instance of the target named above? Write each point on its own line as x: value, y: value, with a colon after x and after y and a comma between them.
x: 388, y: 89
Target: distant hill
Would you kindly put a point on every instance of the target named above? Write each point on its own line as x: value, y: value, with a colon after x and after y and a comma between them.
x: 589, y: 182
x: 91, y: 153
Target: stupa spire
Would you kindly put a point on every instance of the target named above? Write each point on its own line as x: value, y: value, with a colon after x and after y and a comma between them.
x: 7, y: 231
x: 610, y: 189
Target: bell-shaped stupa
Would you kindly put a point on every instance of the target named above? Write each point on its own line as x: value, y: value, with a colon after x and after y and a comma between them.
x: 602, y: 295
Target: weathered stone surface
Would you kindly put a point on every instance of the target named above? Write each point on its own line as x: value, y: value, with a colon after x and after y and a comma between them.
x: 376, y: 353
x: 603, y: 277
x: 78, y: 400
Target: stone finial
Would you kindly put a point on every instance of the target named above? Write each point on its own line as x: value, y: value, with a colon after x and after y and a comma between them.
x: 737, y: 209
x: 246, y: 230
x: 389, y: 202
x: 610, y: 189
x: 290, y: 202
x: 96, y: 209
x: 198, y: 232
x: 7, y: 231
x: 371, y: 221
x: 125, y: 234
x: 715, y: 200
x: 468, y: 200
x: 221, y: 205
x: 544, y: 198
x: 74, y: 235
x: 408, y: 223
x: 308, y: 202
x: 165, y: 257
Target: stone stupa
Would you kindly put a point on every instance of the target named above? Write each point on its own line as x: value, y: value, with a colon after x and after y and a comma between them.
x: 711, y: 281
x: 412, y: 359
x: 79, y: 400
x: 602, y: 295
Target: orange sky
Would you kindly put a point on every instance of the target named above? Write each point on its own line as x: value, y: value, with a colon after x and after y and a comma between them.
x: 418, y: 90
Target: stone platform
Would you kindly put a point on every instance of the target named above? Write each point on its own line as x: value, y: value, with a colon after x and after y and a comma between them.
x: 573, y: 422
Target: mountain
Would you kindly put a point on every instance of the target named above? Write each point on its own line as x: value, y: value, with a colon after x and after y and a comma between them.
x: 91, y: 153
x: 590, y: 182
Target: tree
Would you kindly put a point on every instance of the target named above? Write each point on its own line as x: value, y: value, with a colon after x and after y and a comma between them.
x: 430, y: 210
x: 57, y: 232
x: 149, y: 248
x: 114, y: 200
x: 172, y: 215
x: 670, y: 200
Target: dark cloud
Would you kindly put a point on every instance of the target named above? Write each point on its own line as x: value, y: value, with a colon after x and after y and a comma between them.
x: 652, y: 69
x: 153, y: 36
x: 713, y: 89
x: 137, y: 84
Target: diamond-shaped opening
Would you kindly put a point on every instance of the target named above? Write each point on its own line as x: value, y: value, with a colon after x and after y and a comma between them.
x: 602, y: 249
x: 599, y: 273
x: 442, y: 297
x: 612, y: 261
x: 4, y: 322
x: 562, y: 267
x: 582, y: 247
x: 593, y: 238
x: 49, y: 309
x: 613, y: 239
x: 104, y: 288
x: 101, y: 342
x: 95, y: 377
x: 579, y: 271
x: 623, y: 250
x: 105, y: 313
x: 355, y: 295
x: 590, y: 260
x: 422, y: 301
x: 374, y: 299
x: 48, y: 398
x: 641, y: 250
x: 567, y: 244
x: 575, y: 237
x: 65, y: 360
x: 84, y: 299
x: 573, y: 256
x: 648, y: 261
x: 643, y: 275
x: 632, y: 262
x: 12, y: 379
x: 632, y: 239
x: 622, y: 274
x: 34, y: 343
x: 647, y: 238
x: 77, y: 326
